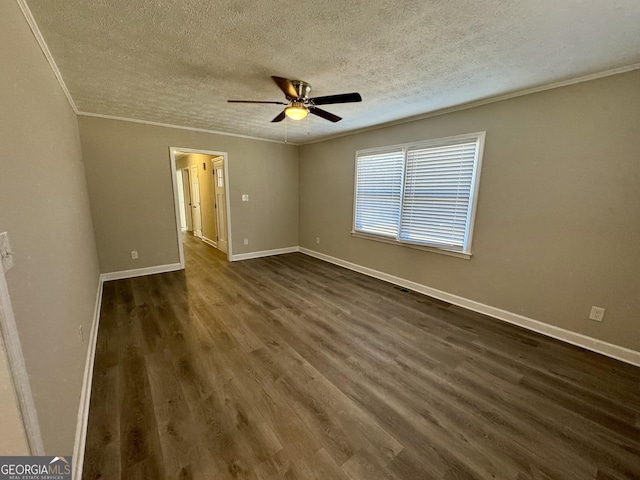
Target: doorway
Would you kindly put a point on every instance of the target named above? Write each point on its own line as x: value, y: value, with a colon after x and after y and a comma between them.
x: 201, y: 191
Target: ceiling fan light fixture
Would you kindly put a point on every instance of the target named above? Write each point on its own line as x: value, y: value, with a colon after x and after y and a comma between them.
x: 297, y: 111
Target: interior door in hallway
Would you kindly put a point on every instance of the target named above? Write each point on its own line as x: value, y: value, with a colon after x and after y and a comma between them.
x: 220, y: 204
x: 186, y: 190
x: 195, y: 202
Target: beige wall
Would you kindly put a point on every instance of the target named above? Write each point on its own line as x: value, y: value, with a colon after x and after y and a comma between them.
x: 45, y: 209
x: 205, y: 180
x: 130, y: 186
x: 558, y: 220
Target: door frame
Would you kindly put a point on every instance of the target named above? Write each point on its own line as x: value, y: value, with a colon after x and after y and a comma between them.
x: 18, y: 371
x: 172, y: 156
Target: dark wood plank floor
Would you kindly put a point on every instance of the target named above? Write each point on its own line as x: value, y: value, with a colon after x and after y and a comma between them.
x: 289, y: 367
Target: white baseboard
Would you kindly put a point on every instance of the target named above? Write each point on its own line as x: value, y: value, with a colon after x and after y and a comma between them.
x: 209, y: 241
x: 614, y: 351
x: 85, y: 394
x: 263, y: 253
x: 140, y: 272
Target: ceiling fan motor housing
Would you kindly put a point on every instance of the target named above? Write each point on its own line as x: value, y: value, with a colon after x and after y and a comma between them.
x: 302, y: 88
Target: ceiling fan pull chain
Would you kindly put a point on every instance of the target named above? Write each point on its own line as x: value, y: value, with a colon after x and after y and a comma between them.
x: 285, y: 129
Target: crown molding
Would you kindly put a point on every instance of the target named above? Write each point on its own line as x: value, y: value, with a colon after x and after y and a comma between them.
x: 464, y: 106
x: 182, y: 127
x: 45, y: 49
x: 484, y: 101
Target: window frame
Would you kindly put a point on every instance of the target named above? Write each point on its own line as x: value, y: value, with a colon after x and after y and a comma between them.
x: 465, y: 251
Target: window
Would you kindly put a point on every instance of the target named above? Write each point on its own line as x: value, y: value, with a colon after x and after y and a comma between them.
x: 421, y: 194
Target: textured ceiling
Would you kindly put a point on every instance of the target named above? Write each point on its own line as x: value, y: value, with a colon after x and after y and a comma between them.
x: 177, y: 62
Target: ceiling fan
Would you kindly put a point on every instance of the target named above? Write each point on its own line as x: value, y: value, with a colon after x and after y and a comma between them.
x: 299, y: 105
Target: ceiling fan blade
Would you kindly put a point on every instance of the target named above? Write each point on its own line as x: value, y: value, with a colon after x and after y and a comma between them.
x: 279, y: 118
x: 286, y: 86
x: 256, y: 101
x: 324, y: 114
x: 341, y: 98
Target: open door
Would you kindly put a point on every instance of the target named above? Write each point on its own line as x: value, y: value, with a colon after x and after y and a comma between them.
x: 181, y: 200
x: 220, y: 199
x: 186, y: 191
x: 195, y: 202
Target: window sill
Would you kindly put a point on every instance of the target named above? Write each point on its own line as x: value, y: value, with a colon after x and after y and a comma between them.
x: 424, y: 248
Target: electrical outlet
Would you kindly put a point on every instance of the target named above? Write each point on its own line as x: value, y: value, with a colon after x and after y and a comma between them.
x: 134, y: 254
x: 81, y: 334
x: 245, y: 197
x: 317, y: 240
x: 597, y: 314
x: 5, y: 252
x: 246, y: 241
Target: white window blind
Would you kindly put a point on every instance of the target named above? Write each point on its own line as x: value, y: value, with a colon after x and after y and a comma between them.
x: 379, y: 192
x: 422, y: 193
x: 437, y: 194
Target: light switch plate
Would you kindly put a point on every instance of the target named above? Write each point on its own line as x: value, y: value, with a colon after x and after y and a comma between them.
x: 5, y: 252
